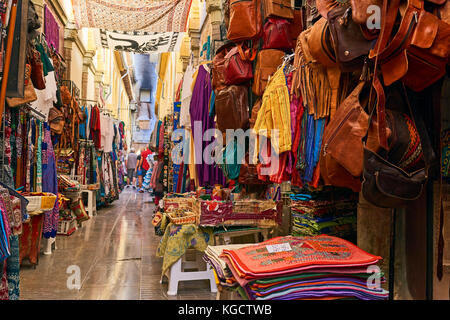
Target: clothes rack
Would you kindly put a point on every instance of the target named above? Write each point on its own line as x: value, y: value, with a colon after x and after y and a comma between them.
x: 37, y: 113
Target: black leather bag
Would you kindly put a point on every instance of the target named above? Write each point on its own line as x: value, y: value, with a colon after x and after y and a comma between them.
x: 385, y: 184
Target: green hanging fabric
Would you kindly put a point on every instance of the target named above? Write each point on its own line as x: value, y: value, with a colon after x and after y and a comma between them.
x: 231, y: 164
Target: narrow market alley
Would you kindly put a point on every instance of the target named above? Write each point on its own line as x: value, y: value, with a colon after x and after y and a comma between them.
x: 115, y: 252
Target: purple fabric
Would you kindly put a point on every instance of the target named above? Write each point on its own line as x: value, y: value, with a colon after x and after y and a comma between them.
x: 199, y: 111
x: 50, y: 184
x: 328, y: 293
x: 302, y: 284
x: 51, y: 29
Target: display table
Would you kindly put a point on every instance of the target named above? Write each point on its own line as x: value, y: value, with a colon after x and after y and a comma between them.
x: 30, y: 239
x: 225, y: 237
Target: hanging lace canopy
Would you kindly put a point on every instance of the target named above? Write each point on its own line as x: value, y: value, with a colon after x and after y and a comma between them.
x: 133, y: 15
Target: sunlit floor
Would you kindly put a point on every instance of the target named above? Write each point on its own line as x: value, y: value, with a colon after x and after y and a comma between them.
x: 115, y: 253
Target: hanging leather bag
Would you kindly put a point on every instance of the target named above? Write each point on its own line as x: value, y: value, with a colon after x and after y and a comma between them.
x: 267, y: 64
x: 350, y: 46
x: 296, y: 25
x: 218, y: 69
x: 360, y: 14
x: 418, y: 52
x: 278, y: 8
x: 37, y: 68
x: 388, y: 185
x: 277, y: 34
x: 66, y: 96
x: 29, y: 92
x: 245, y: 20
x: 232, y: 108
x: 255, y: 111
x: 57, y: 121
x: 341, y: 160
x: 238, y: 66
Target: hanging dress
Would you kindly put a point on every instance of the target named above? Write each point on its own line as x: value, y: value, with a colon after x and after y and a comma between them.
x: 50, y: 184
x: 199, y: 112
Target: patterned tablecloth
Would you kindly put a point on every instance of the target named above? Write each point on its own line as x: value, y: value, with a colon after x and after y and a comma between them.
x: 178, y: 238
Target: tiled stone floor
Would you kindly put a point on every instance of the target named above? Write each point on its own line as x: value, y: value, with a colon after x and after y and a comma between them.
x: 115, y: 252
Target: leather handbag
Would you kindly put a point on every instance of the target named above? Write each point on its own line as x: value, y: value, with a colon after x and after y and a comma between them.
x: 395, y: 179
x: 417, y: 54
x: 37, y: 69
x: 278, y: 8
x: 350, y: 46
x: 245, y: 20
x: 325, y: 6
x: 232, y: 108
x: 66, y: 96
x: 342, y: 155
x: 296, y: 25
x: 57, y: 121
x: 249, y: 173
x: 360, y: 8
x: 267, y: 64
x: 277, y: 34
x: 218, y: 69
x: 255, y: 111
x: 29, y: 92
x: 238, y: 66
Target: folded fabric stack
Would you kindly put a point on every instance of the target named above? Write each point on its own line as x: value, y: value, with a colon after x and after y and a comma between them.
x: 67, y: 184
x: 316, y: 217
x: 223, y: 273
x: 291, y: 268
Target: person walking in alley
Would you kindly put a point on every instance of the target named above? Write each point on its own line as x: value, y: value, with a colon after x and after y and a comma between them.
x: 131, y: 164
x: 143, y: 166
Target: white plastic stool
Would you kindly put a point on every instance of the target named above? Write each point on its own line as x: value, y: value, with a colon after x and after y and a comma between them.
x: 92, y: 206
x: 48, y: 246
x: 176, y: 274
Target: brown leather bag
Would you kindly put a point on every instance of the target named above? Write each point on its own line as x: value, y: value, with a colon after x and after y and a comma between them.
x: 232, y: 108
x: 278, y: 8
x: 350, y: 45
x: 359, y: 9
x: 342, y: 154
x: 417, y: 54
x: 245, y: 20
x: 37, y: 68
x: 267, y: 63
x: 218, y: 69
x: 66, y: 96
x: 57, y: 121
x: 255, y: 111
x: 29, y: 92
x: 296, y: 25
x: 325, y: 6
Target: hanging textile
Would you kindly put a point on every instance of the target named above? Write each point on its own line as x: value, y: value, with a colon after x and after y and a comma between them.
x: 199, y: 111
x: 50, y: 184
x: 142, y: 42
x: 51, y: 29
x: 138, y: 15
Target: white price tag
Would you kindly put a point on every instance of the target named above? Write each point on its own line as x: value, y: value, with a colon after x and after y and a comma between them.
x: 279, y: 248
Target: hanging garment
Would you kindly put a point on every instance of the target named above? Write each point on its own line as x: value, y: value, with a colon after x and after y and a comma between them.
x: 50, y: 184
x: 275, y: 113
x: 186, y: 96
x: 199, y: 111
x: 95, y: 127
x: 13, y: 269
